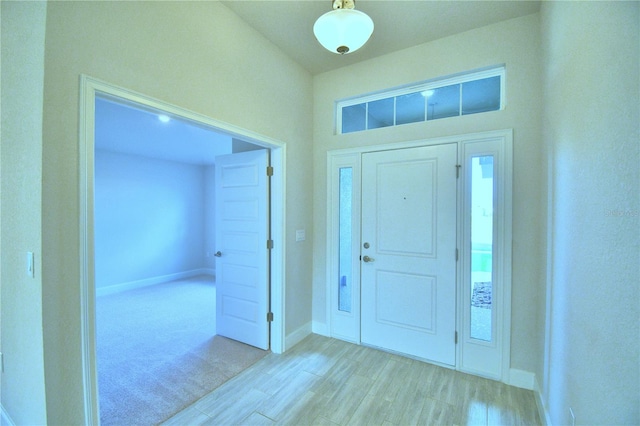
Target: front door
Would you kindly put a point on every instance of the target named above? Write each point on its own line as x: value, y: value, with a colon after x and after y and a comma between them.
x: 408, y: 268
x: 242, y: 257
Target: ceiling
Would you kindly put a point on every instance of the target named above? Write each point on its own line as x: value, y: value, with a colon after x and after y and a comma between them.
x: 398, y: 24
x: 130, y: 129
x: 288, y: 24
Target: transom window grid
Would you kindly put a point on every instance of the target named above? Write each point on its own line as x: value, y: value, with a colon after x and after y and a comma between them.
x: 466, y: 94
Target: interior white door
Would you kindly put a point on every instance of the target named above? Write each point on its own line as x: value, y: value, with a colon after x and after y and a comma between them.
x: 408, y: 267
x: 242, y: 257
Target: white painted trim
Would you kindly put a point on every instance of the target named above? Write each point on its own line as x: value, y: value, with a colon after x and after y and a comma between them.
x: 89, y: 88
x: 320, y: 328
x: 6, y: 419
x: 343, y: 325
x: 491, y: 134
x: 278, y: 282
x: 298, y: 335
x: 131, y: 285
x: 522, y: 379
x: 87, y: 258
x: 504, y: 334
x: 542, y: 408
x: 488, y: 359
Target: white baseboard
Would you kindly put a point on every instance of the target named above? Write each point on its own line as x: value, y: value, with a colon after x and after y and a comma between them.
x: 118, y: 288
x: 522, y: 379
x: 5, y: 418
x: 542, y: 409
x: 296, y: 337
x: 320, y: 328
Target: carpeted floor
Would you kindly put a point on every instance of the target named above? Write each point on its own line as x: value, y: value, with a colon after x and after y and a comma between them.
x: 157, y: 353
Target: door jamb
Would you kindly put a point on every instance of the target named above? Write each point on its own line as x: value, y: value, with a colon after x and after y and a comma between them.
x: 89, y: 88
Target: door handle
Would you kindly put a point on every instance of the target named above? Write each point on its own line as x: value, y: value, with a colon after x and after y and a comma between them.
x: 367, y: 259
x: 218, y: 254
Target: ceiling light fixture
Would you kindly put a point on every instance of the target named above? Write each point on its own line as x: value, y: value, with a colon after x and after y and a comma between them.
x: 344, y: 29
x: 164, y: 118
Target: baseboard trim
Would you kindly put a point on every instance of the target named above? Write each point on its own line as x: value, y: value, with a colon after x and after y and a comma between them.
x: 320, y: 328
x: 6, y: 419
x: 297, y: 336
x: 118, y: 288
x: 542, y: 409
x: 522, y: 379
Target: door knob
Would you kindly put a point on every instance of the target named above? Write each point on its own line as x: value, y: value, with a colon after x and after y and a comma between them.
x: 367, y: 259
x: 217, y: 254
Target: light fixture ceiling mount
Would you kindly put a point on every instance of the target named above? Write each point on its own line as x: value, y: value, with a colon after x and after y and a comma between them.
x: 344, y: 29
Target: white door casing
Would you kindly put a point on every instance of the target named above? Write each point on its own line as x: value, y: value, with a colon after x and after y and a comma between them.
x: 90, y: 88
x: 480, y: 357
x: 408, y: 271
x: 242, y: 256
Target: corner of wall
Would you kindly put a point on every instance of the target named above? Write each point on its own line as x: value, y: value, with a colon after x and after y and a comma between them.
x: 5, y: 419
x: 297, y: 336
x: 522, y: 379
x: 320, y: 328
x: 542, y: 408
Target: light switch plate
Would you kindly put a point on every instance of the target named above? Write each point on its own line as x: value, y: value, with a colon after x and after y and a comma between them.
x: 301, y: 235
x: 30, y: 266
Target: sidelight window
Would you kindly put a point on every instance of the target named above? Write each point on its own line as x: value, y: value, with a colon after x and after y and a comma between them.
x: 345, y: 244
x: 481, y: 247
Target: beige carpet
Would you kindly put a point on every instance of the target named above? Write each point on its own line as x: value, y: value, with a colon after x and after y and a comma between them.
x: 157, y: 354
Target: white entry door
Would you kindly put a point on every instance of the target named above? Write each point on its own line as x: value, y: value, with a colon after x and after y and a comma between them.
x: 242, y: 257
x: 408, y: 268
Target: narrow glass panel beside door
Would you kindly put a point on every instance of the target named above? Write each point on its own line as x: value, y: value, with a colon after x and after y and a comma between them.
x: 345, y: 244
x: 482, y: 200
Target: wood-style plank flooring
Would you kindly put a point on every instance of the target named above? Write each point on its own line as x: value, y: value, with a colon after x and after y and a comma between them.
x: 323, y: 381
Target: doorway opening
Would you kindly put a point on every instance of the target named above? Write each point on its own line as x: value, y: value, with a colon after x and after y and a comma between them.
x: 419, y: 244
x: 93, y: 93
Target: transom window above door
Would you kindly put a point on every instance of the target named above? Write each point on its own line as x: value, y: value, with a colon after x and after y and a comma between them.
x: 453, y: 96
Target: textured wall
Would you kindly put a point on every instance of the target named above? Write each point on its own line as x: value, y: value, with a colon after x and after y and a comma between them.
x: 514, y: 43
x: 591, y: 118
x: 198, y: 56
x: 23, y: 386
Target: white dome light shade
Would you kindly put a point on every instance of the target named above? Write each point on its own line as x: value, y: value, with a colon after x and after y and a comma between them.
x: 343, y: 30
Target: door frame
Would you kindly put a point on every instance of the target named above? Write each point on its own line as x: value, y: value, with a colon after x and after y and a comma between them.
x: 501, y: 348
x: 91, y: 87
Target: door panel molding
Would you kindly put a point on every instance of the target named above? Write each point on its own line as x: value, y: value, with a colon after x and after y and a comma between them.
x: 346, y: 327
x: 242, y: 284
x: 409, y: 218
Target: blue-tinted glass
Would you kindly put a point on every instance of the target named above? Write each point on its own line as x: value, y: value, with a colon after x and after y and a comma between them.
x: 443, y: 102
x: 354, y: 118
x: 380, y: 113
x: 481, y: 95
x: 482, y: 247
x: 410, y: 108
x: 344, y: 244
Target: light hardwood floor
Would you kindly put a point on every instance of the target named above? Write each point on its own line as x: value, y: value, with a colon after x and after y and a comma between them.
x: 323, y: 381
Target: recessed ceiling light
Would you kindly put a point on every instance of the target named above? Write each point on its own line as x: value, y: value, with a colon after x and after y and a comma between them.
x: 164, y: 118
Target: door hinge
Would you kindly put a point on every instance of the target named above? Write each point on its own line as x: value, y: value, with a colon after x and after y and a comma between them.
x: 455, y: 338
x: 269, y: 316
x: 269, y: 171
x: 269, y: 244
x: 457, y: 256
x: 458, y: 170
